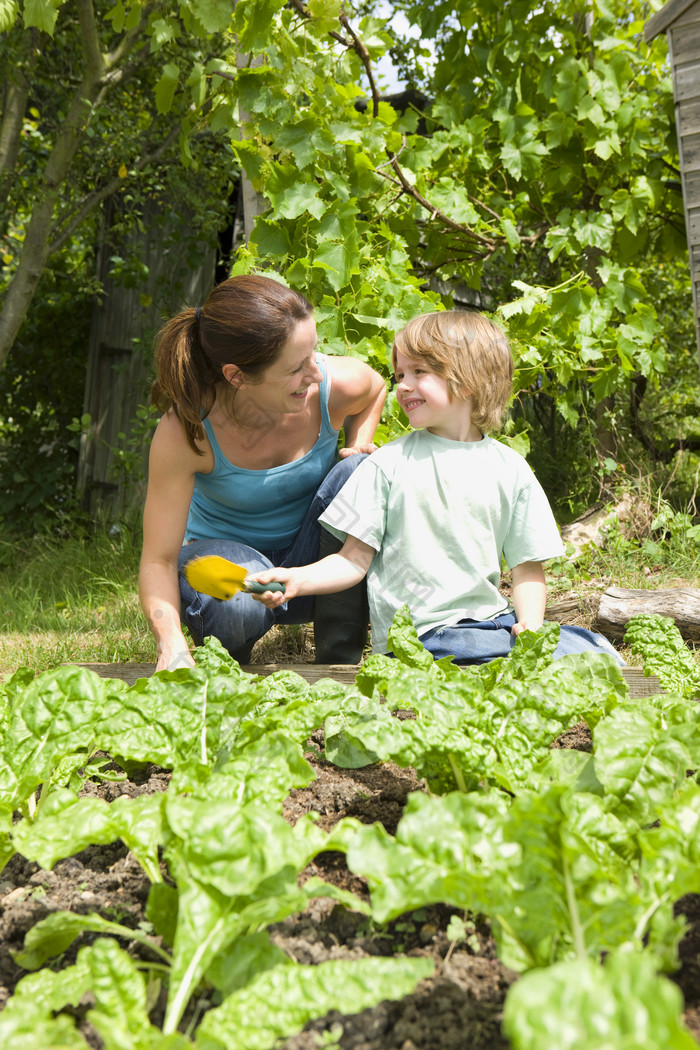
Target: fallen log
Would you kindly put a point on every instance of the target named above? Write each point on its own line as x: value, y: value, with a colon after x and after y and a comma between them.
x: 619, y: 604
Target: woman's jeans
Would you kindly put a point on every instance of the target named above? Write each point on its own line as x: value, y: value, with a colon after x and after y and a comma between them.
x: 239, y: 622
x: 478, y: 641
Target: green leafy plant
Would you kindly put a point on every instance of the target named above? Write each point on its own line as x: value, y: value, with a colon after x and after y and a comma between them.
x: 659, y: 642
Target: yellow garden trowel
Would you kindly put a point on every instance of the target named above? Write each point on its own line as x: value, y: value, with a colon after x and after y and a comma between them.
x: 222, y: 578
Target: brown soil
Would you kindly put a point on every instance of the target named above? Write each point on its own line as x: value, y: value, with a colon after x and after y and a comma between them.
x: 460, y: 1006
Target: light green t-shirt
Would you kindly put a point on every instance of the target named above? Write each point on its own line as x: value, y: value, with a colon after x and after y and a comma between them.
x: 440, y: 515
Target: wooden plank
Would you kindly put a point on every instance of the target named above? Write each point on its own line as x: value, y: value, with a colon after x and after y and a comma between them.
x: 688, y: 116
x: 667, y: 16
x: 639, y: 684
x: 685, y: 42
x: 690, y: 150
x: 693, y: 224
x: 131, y: 673
x: 691, y: 188
x: 686, y: 82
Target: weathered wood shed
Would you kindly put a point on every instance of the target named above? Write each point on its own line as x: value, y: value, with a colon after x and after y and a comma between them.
x: 120, y: 361
x: 680, y: 20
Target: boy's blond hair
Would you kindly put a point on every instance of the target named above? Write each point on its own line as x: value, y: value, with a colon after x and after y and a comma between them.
x: 470, y: 352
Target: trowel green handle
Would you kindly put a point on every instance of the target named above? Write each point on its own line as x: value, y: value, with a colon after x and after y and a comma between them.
x: 259, y: 588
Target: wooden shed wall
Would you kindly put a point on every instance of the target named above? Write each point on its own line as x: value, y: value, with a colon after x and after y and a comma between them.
x: 124, y: 324
x: 684, y: 51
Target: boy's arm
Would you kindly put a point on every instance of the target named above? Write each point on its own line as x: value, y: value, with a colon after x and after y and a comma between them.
x: 529, y: 596
x: 337, y: 572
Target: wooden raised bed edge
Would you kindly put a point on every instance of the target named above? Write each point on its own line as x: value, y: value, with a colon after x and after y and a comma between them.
x: 639, y: 684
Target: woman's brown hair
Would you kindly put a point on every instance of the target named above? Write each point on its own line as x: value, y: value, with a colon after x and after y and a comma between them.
x: 470, y: 352
x: 245, y: 322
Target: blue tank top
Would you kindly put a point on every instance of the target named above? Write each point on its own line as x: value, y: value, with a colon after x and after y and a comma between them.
x: 262, y: 508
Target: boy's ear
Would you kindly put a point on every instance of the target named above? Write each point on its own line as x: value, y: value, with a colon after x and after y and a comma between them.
x: 233, y: 375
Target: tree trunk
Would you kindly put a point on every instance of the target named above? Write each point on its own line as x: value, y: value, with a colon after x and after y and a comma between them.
x: 618, y: 605
x: 36, y: 247
x: 16, y: 95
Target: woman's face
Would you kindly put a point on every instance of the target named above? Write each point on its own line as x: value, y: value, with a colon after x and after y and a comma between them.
x: 285, y: 385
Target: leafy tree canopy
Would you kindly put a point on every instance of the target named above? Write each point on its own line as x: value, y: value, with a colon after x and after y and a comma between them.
x: 532, y: 171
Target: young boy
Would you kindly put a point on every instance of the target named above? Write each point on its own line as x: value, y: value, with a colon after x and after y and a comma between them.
x: 428, y: 516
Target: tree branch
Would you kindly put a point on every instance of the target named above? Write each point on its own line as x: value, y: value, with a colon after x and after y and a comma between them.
x: 102, y: 193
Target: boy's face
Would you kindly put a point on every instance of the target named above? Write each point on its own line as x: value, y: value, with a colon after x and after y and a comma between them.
x: 424, y: 396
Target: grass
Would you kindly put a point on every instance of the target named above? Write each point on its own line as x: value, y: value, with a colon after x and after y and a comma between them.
x: 74, y: 599
x: 71, y: 600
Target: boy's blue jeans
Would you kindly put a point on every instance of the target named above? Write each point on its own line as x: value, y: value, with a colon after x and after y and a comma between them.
x: 239, y: 622
x: 478, y: 641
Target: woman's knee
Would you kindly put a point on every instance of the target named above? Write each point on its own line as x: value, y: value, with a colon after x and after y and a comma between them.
x: 236, y: 622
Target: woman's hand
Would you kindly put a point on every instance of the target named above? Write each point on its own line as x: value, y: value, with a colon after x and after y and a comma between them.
x: 170, y: 658
x: 356, y: 450
x: 356, y: 401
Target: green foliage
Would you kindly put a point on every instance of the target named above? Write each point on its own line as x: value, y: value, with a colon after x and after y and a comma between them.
x: 579, y: 1005
x: 665, y: 654
x: 40, y: 392
x: 539, y: 182
x: 125, y: 182
x: 546, y: 155
x: 474, y: 727
x: 576, y: 859
x: 233, y: 860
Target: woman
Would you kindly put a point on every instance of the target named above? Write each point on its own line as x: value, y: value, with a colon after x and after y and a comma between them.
x: 243, y: 462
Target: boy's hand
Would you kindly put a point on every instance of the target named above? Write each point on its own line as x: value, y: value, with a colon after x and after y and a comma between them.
x: 518, y: 627
x: 273, y: 599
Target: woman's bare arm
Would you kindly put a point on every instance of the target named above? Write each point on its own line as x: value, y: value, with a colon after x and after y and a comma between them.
x: 172, y: 465
x: 356, y: 401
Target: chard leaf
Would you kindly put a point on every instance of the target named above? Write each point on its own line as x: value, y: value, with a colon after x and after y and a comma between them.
x: 446, y: 850
x: 592, y: 683
x: 30, y: 1031
x: 43, y: 993
x: 278, y: 1003
x: 464, y: 733
x: 161, y: 910
x: 53, y: 715
x: 375, y: 674
x: 248, y: 956
x: 53, y: 935
x: 236, y: 869
x: 581, y: 1005
x: 553, y: 870
x: 659, y: 642
x: 569, y: 885
x: 344, y: 747
x: 119, y: 1014
x: 265, y: 768
x: 671, y: 848
x: 404, y: 643
x: 639, y: 759
x: 66, y: 824
x: 532, y: 653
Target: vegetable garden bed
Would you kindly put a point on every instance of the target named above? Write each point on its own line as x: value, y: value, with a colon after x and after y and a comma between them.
x: 223, y: 860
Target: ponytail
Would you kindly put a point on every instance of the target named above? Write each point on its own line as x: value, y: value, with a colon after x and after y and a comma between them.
x: 185, y: 379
